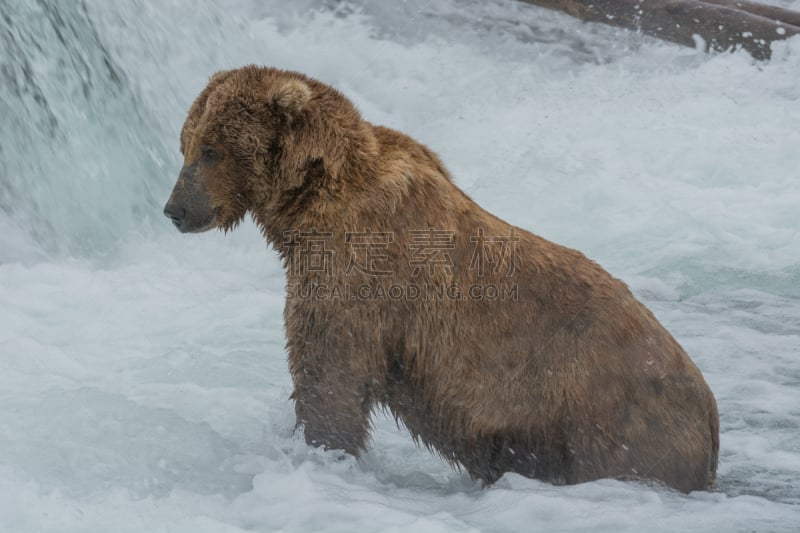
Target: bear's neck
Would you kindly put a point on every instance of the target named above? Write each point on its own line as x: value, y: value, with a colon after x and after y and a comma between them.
x: 326, y: 167
x: 322, y: 201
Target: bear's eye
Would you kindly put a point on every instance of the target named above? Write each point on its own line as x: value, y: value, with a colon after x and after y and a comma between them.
x: 208, y: 153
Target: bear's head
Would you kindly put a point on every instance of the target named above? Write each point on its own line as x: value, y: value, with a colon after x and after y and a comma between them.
x: 247, y: 139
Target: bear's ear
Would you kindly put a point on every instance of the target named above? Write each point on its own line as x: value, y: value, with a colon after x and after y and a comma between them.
x: 292, y: 96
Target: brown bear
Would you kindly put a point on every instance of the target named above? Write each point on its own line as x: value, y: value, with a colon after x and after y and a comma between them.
x: 502, y: 351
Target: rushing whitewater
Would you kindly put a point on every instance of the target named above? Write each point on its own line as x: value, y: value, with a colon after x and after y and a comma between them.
x: 144, y: 383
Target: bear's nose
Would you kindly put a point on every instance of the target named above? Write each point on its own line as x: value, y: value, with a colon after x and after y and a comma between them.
x: 176, y: 214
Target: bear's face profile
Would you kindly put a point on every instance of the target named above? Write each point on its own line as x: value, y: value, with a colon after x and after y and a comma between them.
x: 231, y: 142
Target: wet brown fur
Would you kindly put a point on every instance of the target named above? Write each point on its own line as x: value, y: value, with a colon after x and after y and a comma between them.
x: 573, y: 380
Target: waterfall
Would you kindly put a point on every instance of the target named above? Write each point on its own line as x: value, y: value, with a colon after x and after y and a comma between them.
x: 80, y: 159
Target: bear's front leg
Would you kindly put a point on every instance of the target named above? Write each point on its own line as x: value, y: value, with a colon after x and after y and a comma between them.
x: 334, y: 407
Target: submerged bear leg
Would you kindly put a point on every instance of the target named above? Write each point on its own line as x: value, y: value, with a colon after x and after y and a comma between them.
x: 332, y: 418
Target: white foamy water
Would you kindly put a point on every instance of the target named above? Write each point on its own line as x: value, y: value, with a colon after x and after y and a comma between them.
x: 144, y: 384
